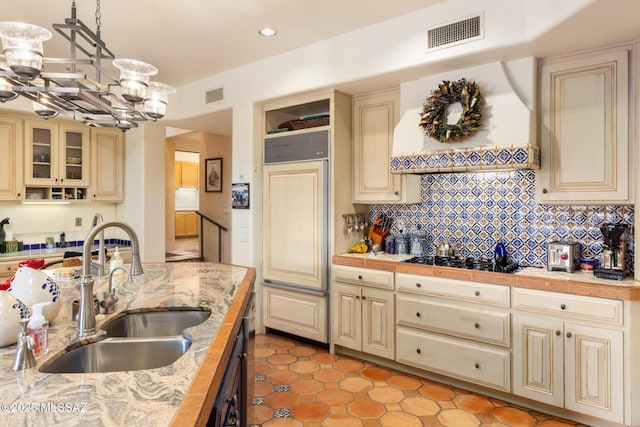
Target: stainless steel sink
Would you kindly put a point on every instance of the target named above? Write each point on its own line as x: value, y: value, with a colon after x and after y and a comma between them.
x: 118, y: 354
x: 154, y: 323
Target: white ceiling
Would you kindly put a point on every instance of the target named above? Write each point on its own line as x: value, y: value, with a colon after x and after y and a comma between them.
x: 191, y: 39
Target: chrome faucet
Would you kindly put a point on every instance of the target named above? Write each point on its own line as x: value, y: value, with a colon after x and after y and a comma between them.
x: 101, y: 264
x: 86, y: 311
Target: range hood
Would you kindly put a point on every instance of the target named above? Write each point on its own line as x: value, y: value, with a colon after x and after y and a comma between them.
x: 506, y: 140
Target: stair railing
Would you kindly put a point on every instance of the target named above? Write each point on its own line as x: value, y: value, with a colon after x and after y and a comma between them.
x: 220, y: 227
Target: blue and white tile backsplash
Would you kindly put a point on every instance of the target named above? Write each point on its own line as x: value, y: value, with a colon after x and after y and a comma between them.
x: 475, y: 210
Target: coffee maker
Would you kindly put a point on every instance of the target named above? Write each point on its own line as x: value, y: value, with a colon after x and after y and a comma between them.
x: 613, y: 265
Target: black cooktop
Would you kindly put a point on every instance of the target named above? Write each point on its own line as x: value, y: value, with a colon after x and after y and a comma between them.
x: 469, y: 263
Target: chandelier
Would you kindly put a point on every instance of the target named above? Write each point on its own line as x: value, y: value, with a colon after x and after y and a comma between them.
x: 64, y: 88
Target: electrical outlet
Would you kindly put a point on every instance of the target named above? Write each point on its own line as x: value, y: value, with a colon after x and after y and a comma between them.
x: 78, y: 222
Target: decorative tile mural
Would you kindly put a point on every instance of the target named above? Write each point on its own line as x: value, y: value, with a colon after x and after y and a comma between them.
x: 475, y: 210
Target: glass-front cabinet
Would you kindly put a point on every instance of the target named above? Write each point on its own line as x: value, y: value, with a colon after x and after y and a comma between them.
x: 57, y: 160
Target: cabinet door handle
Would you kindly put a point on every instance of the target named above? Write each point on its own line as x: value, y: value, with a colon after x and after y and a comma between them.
x: 418, y: 285
x: 563, y: 306
x: 359, y: 277
x: 558, y: 333
x: 477, y: 293
x: 476, y: 325
x: 418, y: 351
x: 418, y: 314
x: 477, y: 365
x: 357, y: 296
x: 569, y: 334
x: 545, y: 191
x: 364, y: 297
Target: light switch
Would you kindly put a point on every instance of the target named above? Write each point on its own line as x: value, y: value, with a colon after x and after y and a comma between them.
x: 244, y: 235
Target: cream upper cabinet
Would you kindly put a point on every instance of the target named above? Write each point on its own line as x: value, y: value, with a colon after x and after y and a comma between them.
x: 11, y: 158
x: 561, y: 362
x: 56, y: 154
x: 584, y: 129
x: 107, y: 165
x: 374, y: 117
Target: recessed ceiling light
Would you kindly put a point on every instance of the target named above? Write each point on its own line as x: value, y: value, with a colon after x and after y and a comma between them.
x: 267, y: 32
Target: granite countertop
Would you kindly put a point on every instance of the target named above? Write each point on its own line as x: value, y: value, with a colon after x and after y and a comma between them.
x: 175, y: 394
x: 578, y: 283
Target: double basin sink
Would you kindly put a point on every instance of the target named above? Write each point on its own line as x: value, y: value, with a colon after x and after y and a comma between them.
x: 134, y: 341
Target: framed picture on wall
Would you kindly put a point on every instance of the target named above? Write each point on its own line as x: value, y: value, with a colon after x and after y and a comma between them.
x: 213, y: 175
x: 240, y: 196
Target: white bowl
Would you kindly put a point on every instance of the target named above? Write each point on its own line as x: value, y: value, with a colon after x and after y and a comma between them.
x: 32, y: 286
x: 11, y: 311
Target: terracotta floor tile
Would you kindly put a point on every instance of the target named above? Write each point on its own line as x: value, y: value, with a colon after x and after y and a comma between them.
x: 328, y: 390
x: 282, y: 377
x: 473, y: 403
x: 302, y: 350
x: 514, y: 417
x: 311, y: 411
x: 305, y: 366
x: 386, y: 394
x: 366, y: 409
x: 375, y: 373
x: 281, y: 359
x: 404, y: 382
x: 420, y: 406
x: 356, y: 384
x: 436, y: 391
x: 348, y: 365
x: 335, y: 397
x: 286, y: 399
x: 457, y: 418
x: 307, y: 386
x: 329, y: 375
x: 324, y: 357
x: 342, y: 421
x: 400, y: 419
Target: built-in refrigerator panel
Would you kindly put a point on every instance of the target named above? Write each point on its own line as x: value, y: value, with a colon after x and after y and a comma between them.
x: 295, y: 251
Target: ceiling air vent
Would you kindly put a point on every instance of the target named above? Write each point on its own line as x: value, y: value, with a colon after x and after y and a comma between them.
x: 455, y: 33
x: 214, y: 95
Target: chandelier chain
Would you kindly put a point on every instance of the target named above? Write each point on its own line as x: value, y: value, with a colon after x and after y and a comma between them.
x: 98, y: 16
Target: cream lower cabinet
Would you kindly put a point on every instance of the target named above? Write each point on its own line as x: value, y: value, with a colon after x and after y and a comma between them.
x: 302, y: 314
x: 362, y: 304
x: 561, y: 361
x: 455, y: 328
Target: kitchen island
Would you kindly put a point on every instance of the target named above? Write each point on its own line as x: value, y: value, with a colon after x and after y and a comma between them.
x: 181, y: 393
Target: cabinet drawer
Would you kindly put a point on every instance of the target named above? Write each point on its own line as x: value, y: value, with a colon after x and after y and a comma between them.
x: 364, y: 276
x: 296, y: 313
x: 489, y: 326
x: 569, y: 306
x: 475, y: 363
x: 460, y: 290
x: 7, y: 268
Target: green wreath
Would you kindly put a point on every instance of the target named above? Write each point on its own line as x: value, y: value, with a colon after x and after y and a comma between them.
x: 433, y: 118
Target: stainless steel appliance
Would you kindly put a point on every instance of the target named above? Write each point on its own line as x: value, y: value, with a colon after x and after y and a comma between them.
x: 613, y: 265
x: 295, y: 243
x: 563, y: 255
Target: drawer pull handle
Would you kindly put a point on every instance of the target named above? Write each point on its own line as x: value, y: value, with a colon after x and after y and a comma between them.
x: 477, y: 365
x: 418, y: 314
x: 569, y: 334
x: 359, y: 277
x: 477, y: 293
x: 476, y: 325
x: 558, y: 333
x: 418, y: 351
x: 562, y: 306
x: 418, y: 285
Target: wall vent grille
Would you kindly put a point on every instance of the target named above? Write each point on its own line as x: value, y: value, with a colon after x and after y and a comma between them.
x: 455, y: 33
x: 214, y: 95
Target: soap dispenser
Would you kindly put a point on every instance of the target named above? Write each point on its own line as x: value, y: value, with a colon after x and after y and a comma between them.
x: 38, y: 328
